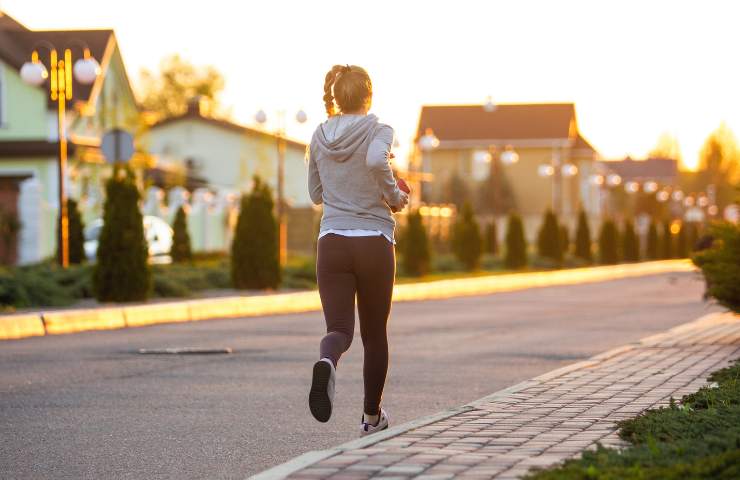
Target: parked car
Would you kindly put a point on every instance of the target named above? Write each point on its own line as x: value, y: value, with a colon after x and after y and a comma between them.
x: 157, y: 232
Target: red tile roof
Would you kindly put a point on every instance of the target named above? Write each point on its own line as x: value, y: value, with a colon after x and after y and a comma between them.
x: 506, y: 122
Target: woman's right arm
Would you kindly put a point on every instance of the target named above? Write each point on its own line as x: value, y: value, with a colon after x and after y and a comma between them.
x: 315, y: 190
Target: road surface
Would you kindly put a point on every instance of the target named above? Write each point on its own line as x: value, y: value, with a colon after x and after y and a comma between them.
x: 88, y: 405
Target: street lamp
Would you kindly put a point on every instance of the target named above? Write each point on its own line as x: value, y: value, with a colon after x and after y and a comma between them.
x: 261, y: 118
x: 427, y: 143
x: 85, y: 70
x: 558, y: 172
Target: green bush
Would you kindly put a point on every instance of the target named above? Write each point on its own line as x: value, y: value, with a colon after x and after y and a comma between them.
x: 548, y: 238
x: 466, y: 238
x: 446, y: 263
x: 608, y: 241
x: 181, y: 251
x: 416, y: 252
x: 696, y: 439
x: 491, y: 242
x: 516, y: 244
x: 583, y: 239
x: 720, y: 264
x: 300, y: 272
x: 75, y: 231
x: 255, y: 262
x: 692, y: 236
x: 122, y: 272
x: 652, y: 248
x: 666, y: 244
x: 630, y: 243
x: 44, y: 285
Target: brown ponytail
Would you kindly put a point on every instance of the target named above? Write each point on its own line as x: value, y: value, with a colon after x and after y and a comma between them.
x: 349, y: 85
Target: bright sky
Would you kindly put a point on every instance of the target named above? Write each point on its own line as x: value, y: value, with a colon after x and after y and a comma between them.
x: 635, y: 69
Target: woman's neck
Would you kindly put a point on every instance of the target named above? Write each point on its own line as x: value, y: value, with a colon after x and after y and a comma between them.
x: 361, y: 111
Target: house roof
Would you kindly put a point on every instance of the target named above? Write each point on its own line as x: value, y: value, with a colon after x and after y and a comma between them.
x: 651, y: 168
x: 506, y: 122
x: 18, y: 42
x: 193, y: 113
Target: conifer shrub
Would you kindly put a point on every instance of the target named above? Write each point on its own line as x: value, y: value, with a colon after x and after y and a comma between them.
x: 255, y: 262
x: 516, y: 244
x: 416, y: 251
x: 181, y: 251
x: 122, y: 270
x: 466, y: 238
x: 548, y: 238
x: 583, y: 239
x: 630, y: 243
x: 608, y: 243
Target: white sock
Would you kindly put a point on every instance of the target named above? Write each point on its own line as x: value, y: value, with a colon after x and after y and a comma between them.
x: 371, y: 419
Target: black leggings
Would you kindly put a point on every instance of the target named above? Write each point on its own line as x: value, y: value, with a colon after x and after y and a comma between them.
x: 366, y: 267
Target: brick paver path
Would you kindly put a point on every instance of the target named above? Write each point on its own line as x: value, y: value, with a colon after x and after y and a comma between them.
x: 550, y: 418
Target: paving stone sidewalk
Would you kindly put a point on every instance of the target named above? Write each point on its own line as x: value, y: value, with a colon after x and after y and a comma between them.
x: 539, y: 422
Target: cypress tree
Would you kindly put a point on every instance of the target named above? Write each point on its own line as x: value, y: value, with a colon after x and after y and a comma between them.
x: 416, y: 252
x: 608, y: 240
x: 122, y: 271
x: 466, y: 238
x: 666, y: 246
x: 652, y: 250
x: 630, y: 243
x: 692, y: 235
x: 255, y: 262
x: 76, y: 236
x: 583, y: 239
x: 516, y: 244
x: 564, y: 239
x: 682, y: 241
x: 181, y: 251
x: 548, y: 238
x: 491, y: 238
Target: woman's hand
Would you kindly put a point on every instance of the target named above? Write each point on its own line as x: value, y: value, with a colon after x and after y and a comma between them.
x: 404, y: 201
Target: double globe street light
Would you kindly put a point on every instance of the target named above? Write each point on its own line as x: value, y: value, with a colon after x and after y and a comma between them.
x: 85, y: 70
x: 261, y: 118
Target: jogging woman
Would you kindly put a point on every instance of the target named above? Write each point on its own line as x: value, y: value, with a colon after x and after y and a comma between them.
x: 349, y: 173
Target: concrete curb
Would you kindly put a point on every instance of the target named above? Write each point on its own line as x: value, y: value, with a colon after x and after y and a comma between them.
x: 283, y: 470
x: 70, y: 321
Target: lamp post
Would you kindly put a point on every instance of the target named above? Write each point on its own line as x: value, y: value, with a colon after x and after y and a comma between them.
x: 85, y: 71
x: 427, y: 143
x: 558, y: 171
x: 261, y: 118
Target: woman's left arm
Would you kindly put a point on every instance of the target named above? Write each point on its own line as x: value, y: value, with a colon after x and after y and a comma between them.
x: 315, y: 189
x: 377, y: 160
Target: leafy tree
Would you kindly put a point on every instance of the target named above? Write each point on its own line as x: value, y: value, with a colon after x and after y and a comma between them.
x: 548, y: 238
x: 122, y: 271
x: 516, y: 244
x: 666, y: 245
x: 719, y: 165
x: 491, y: 244
x: 466, y: 238
x: 75, y: 232
x: 456, y: 191
x: 652, y: 248
x: 255, y: 262
x: 167, y: 93
x: 720, y: 265
x: 608, y: 241
x: 495, y: 194
x: 416, y: 251
x: 630, y: 243
x: 667, y: 147
x: 583, y: 238
x: 181, y: 251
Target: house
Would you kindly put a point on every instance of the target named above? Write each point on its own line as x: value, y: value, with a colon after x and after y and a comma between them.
x: 554, y: 162
x: 663, y: 171
x: 29, y: 141
x: 225, y: 156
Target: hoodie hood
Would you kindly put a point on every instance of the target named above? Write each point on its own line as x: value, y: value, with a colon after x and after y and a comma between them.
x: 341, y: 135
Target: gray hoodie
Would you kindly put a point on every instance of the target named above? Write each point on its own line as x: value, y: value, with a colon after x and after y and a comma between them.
x: 349, y: 172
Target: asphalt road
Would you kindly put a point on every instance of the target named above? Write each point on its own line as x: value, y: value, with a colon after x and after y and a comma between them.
x: 88, y: 405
